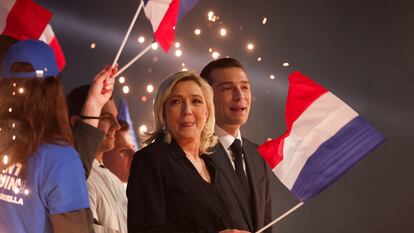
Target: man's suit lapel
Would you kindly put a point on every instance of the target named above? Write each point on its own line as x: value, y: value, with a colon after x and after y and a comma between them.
x: 224, y: 164
x: 248, y: 152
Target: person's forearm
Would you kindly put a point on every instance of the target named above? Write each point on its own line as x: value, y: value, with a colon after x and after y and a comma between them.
x: 79, y: 221
x: 87, y: 141
x: 91, y: 109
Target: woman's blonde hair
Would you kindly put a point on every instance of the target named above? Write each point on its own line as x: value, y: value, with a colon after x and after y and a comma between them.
x: 207, y: 138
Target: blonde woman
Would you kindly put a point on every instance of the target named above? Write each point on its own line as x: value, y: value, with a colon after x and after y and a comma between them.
x: 171, y: 184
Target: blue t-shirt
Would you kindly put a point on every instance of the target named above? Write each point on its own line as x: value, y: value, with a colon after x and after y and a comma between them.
x: 55, y: 183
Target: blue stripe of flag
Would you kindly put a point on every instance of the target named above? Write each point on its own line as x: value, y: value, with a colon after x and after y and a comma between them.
x: 336, y: 156
x: 185, y: 7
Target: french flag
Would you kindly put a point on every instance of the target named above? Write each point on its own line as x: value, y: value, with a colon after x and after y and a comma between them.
x: 324, y: 139
x: 23, y: 19
x: 163, y: 15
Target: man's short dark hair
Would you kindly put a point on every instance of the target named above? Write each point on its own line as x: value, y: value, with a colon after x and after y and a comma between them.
x: 219, y: 64
x: 76, y: 99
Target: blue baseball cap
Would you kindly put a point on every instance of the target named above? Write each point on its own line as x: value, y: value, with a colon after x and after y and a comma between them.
x: 34, y: 52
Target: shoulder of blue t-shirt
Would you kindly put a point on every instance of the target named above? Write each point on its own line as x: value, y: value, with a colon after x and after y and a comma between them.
x: 63, y: 153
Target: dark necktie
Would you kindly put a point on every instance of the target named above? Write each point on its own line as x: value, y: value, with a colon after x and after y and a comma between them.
x: 236, y: 148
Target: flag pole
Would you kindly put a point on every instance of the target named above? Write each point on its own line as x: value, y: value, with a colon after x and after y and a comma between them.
x: 133, y: 60
x: 281, y: 217
x: 141, y: 4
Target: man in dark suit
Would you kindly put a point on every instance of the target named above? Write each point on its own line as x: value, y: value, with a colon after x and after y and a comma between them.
x: 246, y: 175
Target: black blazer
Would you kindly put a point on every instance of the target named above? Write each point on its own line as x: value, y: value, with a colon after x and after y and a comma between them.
x: 244, y: 217
x: 166, y: 193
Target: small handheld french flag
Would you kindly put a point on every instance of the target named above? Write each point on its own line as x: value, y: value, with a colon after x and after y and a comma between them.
x: 325, y: 138
x: 163, y: 15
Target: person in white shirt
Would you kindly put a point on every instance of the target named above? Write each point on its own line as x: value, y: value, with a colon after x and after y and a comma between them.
x: 107, y: 195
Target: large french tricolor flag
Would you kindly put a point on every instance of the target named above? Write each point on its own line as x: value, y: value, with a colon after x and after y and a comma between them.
x: 325, y: 138
x: 163, y: 15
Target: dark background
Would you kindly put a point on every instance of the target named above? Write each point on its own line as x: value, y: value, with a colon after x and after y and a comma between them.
x: 360, y: 50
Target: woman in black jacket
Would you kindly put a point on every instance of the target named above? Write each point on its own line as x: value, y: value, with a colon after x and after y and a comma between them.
x: 170, y: 187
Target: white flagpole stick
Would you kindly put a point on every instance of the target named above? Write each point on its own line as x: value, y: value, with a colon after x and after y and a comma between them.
x: 133, y: 60
x: 128, y: 32
x: 280, y: 218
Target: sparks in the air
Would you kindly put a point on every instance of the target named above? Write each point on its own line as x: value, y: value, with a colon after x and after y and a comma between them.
x: 5, y: 159
x: 197, y: 31
x: 286, y: 64
x: 178, y: 53
x: 21, y: 90
x: 250, y: 46
x: 259, y: 59
x: 177, y: 44
x: 215, y: 55
x: 264, y: 21
x: 125, y: 89
x: 143, y: 129
x: 150, y: 88
x: 210, y: 15
x: 154, y: 46
x: 93, y: 45
x: 223, y: 32
x: 272, y: 77
x: 121, y: 80
x: 141, y: 39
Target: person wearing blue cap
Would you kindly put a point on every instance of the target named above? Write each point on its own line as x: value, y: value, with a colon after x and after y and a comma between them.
x: 42, y: 182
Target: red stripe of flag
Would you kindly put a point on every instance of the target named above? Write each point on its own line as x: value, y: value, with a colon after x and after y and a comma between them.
x: 300, y: 96
x: 302, y: 93
x: 50, y: 38
x: 26, y: 20
x: 165, y: 33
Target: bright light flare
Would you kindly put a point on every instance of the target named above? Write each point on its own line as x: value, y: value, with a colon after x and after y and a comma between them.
x: 154, y: 46
x: 272, y: 77
x: 215, y: 55
x: 223, y: 32
x: 197, y: 31
x: 121, y: 80
x: 150, y: 88
x: 141, y: 39
x: 250, y: 46
x: 143, y: 129
x: 286, y: 64
x: 210, y: 15
x: 178, y: 53
x: 93, y: 45
x: 177, y: 44
x: 5, y: 159
x: 264, y: 21
x: 125, y: 89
